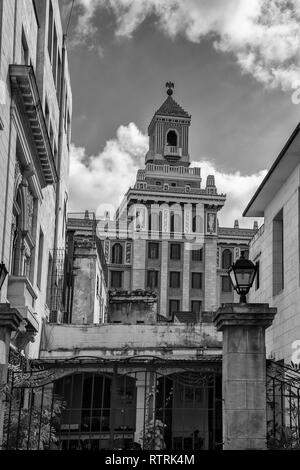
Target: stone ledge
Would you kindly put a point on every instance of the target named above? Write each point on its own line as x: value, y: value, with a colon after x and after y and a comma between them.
x: 239, y: 315
x: 10, y: 318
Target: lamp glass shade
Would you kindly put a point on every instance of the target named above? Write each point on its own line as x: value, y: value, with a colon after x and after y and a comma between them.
x: 242, y: 274
x: 244, y: 278
x: 232, y: 277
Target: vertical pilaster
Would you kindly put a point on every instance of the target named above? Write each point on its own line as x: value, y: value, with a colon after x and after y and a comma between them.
x: 164, y: 277
x: 210, y: 275
x: 186, y: 278
x: 138, y: 264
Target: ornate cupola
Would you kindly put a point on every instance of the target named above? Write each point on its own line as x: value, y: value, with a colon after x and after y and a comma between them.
x: 169, y: 133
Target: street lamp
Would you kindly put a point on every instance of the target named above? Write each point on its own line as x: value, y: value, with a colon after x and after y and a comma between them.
x: 242, y: 274
x: 3, y: 274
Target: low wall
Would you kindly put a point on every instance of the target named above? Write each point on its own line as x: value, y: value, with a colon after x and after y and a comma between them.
x: 176, y: 341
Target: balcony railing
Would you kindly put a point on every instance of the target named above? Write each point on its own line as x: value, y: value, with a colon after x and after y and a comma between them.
x: 173, y: 151
x: 173, y: 170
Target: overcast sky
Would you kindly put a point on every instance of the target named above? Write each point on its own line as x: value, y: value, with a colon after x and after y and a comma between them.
x: 235, y: 64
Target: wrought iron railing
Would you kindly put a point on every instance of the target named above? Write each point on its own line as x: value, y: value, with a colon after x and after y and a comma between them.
x: 283, y: 406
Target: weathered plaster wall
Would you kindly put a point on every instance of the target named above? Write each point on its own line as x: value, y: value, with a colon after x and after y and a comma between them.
x: 133, y: 310
x: 107, y: 341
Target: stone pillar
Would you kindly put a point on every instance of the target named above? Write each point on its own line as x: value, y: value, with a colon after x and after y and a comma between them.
x: 244, y: 374
x: 10, y: 319
x: 186, y: 278
x: 163, y: 296
x: 145, y: 402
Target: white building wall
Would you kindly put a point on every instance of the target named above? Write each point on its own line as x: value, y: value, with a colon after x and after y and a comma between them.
x: 18, y: 16
x: 286, y: 326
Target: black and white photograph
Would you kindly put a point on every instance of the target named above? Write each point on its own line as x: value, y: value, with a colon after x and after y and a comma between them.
x: 149, y: 229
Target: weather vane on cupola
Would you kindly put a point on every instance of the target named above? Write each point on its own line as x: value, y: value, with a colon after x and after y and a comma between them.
x: 170, y: 86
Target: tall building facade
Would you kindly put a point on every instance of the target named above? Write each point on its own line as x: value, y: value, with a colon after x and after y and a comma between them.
x: 275, y: 250
x: 166, y: 237
x: 36, y: 110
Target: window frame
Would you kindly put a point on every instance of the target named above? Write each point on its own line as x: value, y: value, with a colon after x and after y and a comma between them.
x: 156, y: 244
x: 151, y: 272
x: 193, y: 302
x: 197, y: 258
x: 112, y: 274
x: 175, y: 276
x: 172, y: 257
x: 223, y: 279
x: 200, y: 277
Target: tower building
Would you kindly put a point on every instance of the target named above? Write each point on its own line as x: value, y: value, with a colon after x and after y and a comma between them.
x: 165, y: 235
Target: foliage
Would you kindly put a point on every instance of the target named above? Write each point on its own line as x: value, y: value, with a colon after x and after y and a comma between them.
x: 152, y: 436
x: 283, y: 438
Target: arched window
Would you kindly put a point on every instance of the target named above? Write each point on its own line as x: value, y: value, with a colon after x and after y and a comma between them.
x: 172, y: 139
x: 226, y: 258
x: 117, y: 254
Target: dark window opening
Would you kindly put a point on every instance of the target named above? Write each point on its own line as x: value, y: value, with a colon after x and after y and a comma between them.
x: 153, y: 250
x: 24, y: 51
x: 174, y: 307
x: 226, y: 259
x: 175, y: 279
x: 152, y: 279
x: 196, y: 280
x: 257, y: 279
x: 117, y: 254
x: 172, y: 139
x: 40, y: 259
x: 196, y: 306
x: 47, y: 115
x: 50, y: 30
x: 175, y: 252
x: 226, y: 284
x: 197, y: 255
x: 278, y: 260
x: 116, y: 279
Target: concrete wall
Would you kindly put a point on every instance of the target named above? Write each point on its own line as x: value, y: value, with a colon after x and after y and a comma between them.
x: 107, y: 341
x: 133, y: 310
x: 286, y: 326
x: 89, y: 306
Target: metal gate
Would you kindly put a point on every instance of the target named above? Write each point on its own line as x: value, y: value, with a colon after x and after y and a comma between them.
x: 283, y: 406
x: 92, y: 404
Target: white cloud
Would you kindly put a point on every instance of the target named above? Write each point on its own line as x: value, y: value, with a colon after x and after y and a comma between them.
x: 239, y: 190
x: 102, y: 180
x: 263, y: 35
